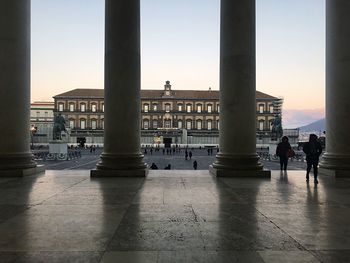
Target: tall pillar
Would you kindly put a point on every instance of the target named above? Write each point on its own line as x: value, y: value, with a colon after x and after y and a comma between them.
x: 15, y: 156
x: 237, y: 156
x: 336, y: 160
x: 121, y: 154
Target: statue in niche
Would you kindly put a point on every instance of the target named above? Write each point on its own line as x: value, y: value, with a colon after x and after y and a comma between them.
x: 59, y: 126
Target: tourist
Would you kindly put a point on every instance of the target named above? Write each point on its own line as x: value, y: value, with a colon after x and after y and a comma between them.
x: 313, y: 150
x: 168, y: 167
x: 195, y: 164
x: 154, y: 166
x: 190, y: 155
x: 282, y: 152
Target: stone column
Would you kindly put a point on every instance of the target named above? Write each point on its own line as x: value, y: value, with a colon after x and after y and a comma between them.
x: 121, y: 155
x: 336, y: 160
x: 237, y: 156
x: 15, y: 155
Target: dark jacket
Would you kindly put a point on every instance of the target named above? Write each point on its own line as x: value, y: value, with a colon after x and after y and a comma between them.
x: 312, y: 150
x: 282, y: 149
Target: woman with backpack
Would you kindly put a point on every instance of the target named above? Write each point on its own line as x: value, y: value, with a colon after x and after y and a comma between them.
x: 282, y: 151
x: 313, y: 150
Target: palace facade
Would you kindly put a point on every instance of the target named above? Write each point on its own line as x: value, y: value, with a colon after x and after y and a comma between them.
x: 167, y: 116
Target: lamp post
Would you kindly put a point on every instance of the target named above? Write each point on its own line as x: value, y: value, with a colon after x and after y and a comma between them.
x: 33, y: 130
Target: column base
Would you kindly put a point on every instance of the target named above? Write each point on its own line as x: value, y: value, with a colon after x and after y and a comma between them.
x: 22, y: 172
x: 335, y: 165
x: 128, y: 165
x: 238, y: 166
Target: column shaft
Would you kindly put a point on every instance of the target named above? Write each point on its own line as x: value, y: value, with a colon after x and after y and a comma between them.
x: 337, y: 156
x: 237, y: 90
x: 121, y: 155
x: 15, y: 154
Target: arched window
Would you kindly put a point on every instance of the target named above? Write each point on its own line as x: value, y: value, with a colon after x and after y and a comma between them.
x: 199, y: 124
x: 82, y: 124
x: 188, y: 124
x: 209, y: 123
x: 155, y: 107
x: 179, y: 107
x: 167, y: 124
x: 261, y: 125
x: 155, y: 124
x: 167, y: 107
x: 179, y: 124
x: 218, y: 125
x: 261, y: 108
x: 209, y: 108
x: 145, y: 124
x: 60, y: 107
x: 71, y: 107
x: 189, y: 108
x: 71, y: 123
x: 82, y: 107
x: 145, y: 107
x: 102, y: 124
x: 271, y: 108
x: 93, y: 124
x: 199, y: 108
x: 93, y: 107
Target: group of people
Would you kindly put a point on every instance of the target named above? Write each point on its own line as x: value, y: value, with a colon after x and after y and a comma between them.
x: 312, y: 149
x: 168, y: 167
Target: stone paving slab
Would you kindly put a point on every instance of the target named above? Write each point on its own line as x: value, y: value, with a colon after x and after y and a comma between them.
x: 174, y: 216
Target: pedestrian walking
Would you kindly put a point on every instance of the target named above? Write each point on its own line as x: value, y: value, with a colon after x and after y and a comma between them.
x: 208, y: 151
x: 282, y: 152
x: 186, y: 155
x: 168, y: 167
x: 195, y: 164
x: 313, y: 150
x: 190, y: 155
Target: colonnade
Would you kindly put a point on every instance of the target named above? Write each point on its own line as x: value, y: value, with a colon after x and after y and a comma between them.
x: 121, y: 155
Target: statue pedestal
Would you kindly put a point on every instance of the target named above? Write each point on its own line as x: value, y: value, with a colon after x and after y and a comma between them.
x: 58, y: 150
x: 272, y: 148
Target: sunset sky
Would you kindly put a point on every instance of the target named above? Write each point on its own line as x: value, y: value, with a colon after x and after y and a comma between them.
x: 180, y: 43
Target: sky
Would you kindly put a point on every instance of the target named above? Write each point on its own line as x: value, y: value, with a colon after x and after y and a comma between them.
x: 180, y: 43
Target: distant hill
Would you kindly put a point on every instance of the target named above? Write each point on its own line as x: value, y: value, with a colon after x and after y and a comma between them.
x: 293, y: 118
x: 319, y: 125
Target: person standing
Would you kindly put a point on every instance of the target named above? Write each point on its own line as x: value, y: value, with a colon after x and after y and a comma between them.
x: 195, y: 164
x: 282, y: 152
x: 190, y: 155
x: 313, y: 150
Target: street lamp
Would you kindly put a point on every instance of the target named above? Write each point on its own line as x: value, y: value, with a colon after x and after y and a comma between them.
x: 33, y: 130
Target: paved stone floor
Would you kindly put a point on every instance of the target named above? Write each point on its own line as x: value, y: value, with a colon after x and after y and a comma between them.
x: 174, y: 216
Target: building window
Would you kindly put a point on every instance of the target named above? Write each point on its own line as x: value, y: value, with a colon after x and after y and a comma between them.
x: 209, y: 124
x: 270, y: 126
x: 218, y: 125
x: 209, y: 108
x: 93, y: 107
x: 71, y: 107
x: 189, y: 108
x: 145, y: 124
x: 179, y: 124
x: 93, y: 124
x: 271, y: 108
x: 38, y: 114
x: 82, y: 124
x: 46, y: 114
x: 60, y: 107
x: 82, y: 107
x: 103, y: 124
x: 145, y: 108
x: 261, y: 125
x: 199, y: 108
x: 199, y: 125
x: 218, y: 108
x: 155, y: 124
x: 189, y: 125
x: 167, y: 124
x: 71, y: 124
x: 167, y: 107
x: 179, y: 107
x: 261, y: 108
x: 155, y: 107
x: 103, y: 108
